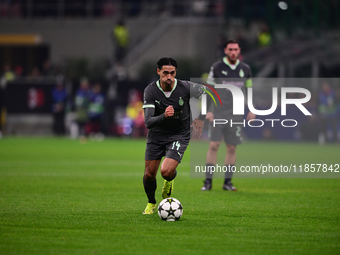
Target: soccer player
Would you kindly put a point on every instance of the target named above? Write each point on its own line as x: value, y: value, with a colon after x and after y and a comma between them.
x: 237, y: 73
x: 167, y: 116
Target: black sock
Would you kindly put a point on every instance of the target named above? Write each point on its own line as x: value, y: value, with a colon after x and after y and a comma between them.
x: 208, y: 173
x: 150, y: 189
x: 229, y: 173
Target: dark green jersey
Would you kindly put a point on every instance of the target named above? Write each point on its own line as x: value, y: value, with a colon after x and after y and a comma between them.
x: 222, y: 72
x: 176, y: 127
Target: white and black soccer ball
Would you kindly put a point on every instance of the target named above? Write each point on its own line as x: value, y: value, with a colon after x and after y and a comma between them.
x: 170, y: 209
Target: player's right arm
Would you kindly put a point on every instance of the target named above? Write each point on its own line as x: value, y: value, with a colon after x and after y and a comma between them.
x: 150, y: 119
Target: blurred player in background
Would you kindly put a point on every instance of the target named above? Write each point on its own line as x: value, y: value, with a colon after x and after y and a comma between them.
x: 82, y: 101
x: 236, y: 73
x: 96, y: 111
x: 167, y: 116
x: 59, y: 96
x: 328, y: 111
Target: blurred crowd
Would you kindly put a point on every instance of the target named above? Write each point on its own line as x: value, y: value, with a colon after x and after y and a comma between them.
x: 324, y: 123
x: 89, y: 106
x: 132, y: 122
x: 48, y: 70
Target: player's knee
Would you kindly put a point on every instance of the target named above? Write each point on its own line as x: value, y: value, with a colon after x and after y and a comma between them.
x: 149, y: 175
x: 231, y: 149
x: 214, y: 146
x: 168, y: 176
x: 167, y: 173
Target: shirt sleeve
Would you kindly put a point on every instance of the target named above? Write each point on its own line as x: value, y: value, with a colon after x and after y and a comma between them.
x: 150, y: 120
x: 148, y: 100
x: 196, y: 90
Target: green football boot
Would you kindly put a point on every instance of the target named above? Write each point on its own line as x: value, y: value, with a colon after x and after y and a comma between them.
x: 149, y: 209
x: 167, y: 189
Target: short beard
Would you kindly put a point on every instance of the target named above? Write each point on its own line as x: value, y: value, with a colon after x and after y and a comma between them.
x: 232, y: 61
x: 167, y: 85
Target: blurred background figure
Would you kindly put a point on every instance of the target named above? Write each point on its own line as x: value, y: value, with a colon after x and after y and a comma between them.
x: 18, y: 71
x: 200, y: 7
x: 82, y: 101
x: 328, y: 112
x: 48, y: 69
x: 121, y: 40
x: 264, y: 36
x: 95, y: 112
x: 135, y: 112
x: 59, y: 96
x: 311, y: 129
x: 35, y: 74
x: 7, y: 76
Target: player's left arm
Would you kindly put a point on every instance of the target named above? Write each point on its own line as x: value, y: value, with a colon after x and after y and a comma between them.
x: 197, y: 90
x: 249, y: 84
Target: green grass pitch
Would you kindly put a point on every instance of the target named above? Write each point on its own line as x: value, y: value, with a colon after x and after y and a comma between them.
x: 58, y: 196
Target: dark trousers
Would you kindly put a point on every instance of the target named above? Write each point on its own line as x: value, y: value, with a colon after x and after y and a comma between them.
x: 95, y: 124
x: 59, y: 123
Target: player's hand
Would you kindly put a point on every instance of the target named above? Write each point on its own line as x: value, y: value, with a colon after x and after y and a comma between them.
x: 169, y: 111
x: 251, y: 116
x: 197, y: 127
x: 209, y: 116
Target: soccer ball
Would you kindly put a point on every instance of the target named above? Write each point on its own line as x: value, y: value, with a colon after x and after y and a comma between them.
x: 170, y: 209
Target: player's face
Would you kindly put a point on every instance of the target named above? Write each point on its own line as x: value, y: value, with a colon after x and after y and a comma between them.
x: 167, y: 75
x: 232, y: 51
